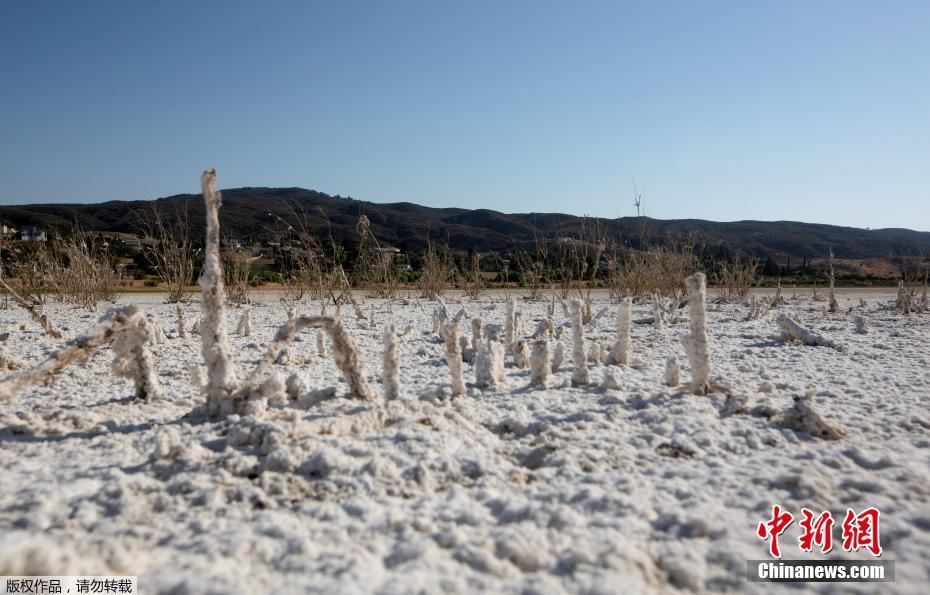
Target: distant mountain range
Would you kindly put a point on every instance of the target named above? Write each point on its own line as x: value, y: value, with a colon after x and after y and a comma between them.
x: 252, y: 213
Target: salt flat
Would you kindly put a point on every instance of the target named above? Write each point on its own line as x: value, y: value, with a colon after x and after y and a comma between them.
x: 641, y: 488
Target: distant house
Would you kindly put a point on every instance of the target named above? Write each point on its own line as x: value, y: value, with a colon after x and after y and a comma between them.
x: 33, y: 234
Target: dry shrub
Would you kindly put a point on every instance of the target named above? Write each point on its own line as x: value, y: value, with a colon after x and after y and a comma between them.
x: 435, y: 273
x: 81, y: 271
x: 658, y: 269
x: 167, y: 246
x: 472, y: 283
x: 737, y: 277
x: 374, y: 267
x: 238, y: 277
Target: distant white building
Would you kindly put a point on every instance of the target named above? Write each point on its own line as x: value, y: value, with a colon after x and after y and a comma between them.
x: 33, y: 234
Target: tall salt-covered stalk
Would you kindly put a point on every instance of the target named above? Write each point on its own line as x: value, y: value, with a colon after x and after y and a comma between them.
x: 489, y: 365
x: 620, y: 354
x: 476, y: 326
x: 245, y: 323
x: 215, y: 348
x: 834, y: 305
x: 450, y: 334
x: 671, y: 371
x: 390, y: 373
x: 182, y: 332
x: 696, y: 342
x: 580, y: 374
x: 509, y: 321
x: 540, y: 363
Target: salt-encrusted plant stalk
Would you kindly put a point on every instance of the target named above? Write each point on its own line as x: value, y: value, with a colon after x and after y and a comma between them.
x: 924, y: 300
x: 35, y: 310
x: 580, y: 374
x: 450, y: 335
x: 131, y: 358
x: 671, y: 371
x: 476, y: 325
x: 509, y: 317
x: 390, y: 373
x: 596, y: 354
x: 862, y: 326
x: 802, y: 416
x: 620, y: 354
x: 489, y: 365
x: 558, y: 356
x: 132, y: 353
x: 696, y: 342
x: 217, y: 354
x: 543, y: 329
x: 792, y: 330
x: 521, y: 355
x: 657, y: 313
x: 245, y: 323
x: 540, y: 363
x: 182, y: 332
x: 346, y: 355
x: 834, y: 305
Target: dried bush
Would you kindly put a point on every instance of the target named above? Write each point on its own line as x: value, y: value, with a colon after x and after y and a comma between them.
x: 472, y: 282
x: 374, y: 267
x: 657, y: 270
x: 81, y: 271
x: 435, y: 272
x: 167, y: 246
x: 737, y: 277
x: 238, y: 277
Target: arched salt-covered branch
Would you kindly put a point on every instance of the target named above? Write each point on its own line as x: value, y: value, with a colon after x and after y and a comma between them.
x: 129, y: 331
x: 346, y: 355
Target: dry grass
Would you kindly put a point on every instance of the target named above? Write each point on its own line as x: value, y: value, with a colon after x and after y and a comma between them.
x: 657, y: 270
x: 167, y: 246
x: 80, y: 271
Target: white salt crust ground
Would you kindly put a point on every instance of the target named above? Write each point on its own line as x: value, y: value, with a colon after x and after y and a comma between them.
x: 588, y: 490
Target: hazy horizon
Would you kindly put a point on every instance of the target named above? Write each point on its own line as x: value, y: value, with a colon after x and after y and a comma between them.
x: 722, y: 111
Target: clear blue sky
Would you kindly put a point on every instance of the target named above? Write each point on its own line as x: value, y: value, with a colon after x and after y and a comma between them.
x: 804, y: 110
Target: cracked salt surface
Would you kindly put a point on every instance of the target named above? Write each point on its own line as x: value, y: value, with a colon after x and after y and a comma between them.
x: 635, y: 488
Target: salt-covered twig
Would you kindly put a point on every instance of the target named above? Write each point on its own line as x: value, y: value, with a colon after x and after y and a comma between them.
x: 671, y: 371
x: 834, y: 305
x: 35, y: 310
x: 580, y: 374
x: 489, y: 365
x: 862, y: 326
x: 540, y: 363
x: 543, y: 329
x: 792, y: 330
x: 245, y: 323
x: 450, y: 335
x: 657, y: 320
x: 390, y: 373
x: 696, y: 342
x: 803, y: 417
x: 217, y: 354
x: 131, y: 357
x: 558, y: 356
x: 182, y: 332
x: 83, y: 347
x: 620, y: 354
x: 521, y: 355
x: 476, y: 325
x: 509, y: 314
